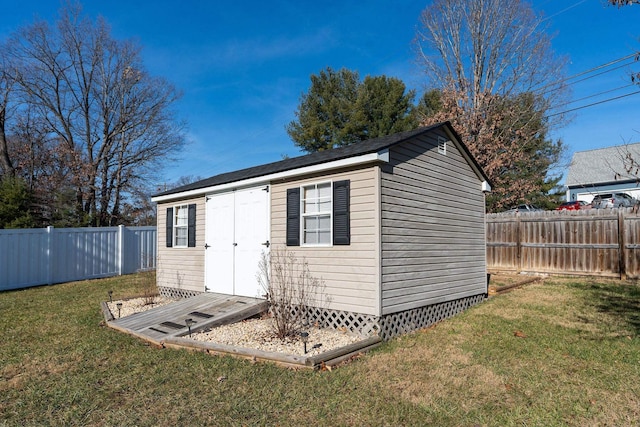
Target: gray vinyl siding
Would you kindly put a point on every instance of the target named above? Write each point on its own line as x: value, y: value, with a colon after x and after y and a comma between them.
x: 351, y: 273
x: 433, y: 226
x: 181, y: 268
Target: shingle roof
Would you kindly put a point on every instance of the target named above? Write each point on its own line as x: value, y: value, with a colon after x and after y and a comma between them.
x: 600, y: 166
x: 361, y: 148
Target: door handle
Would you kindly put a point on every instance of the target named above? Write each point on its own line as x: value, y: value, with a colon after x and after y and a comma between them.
x: 267, y: 244
x: 207, y: 246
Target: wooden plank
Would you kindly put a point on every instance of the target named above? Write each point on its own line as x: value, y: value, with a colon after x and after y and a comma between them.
x: 571, y: 245
x: 249, y: 353
x: 228, y: 318
x: 350, y: 349
x: 224, y: 308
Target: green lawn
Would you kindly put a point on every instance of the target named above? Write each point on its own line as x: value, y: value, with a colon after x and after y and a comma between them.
x: 561, y: 352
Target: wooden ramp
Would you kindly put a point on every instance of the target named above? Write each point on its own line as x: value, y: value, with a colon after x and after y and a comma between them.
x: 206, y: 310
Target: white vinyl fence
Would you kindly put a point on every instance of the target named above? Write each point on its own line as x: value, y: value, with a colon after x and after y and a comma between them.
x: 45, y: 256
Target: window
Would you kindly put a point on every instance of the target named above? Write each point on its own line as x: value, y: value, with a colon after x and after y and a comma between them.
x: 442, y: 145
x: 181, y: 226
x: 316, y: 214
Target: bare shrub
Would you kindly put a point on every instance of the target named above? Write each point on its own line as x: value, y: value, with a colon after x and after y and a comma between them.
x: 148, y: 287
x: 290, y: 288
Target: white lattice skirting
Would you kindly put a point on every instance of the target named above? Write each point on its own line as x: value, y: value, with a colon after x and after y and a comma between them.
x: 391, y: 325
x: 400, y: 323
x: 176, y: 293
x: 387, y: 327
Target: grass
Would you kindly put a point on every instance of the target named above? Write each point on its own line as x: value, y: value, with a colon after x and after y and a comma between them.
x: 561, y: 352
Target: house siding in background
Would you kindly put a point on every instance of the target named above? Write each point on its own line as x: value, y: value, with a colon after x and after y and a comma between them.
x: 604, y: 170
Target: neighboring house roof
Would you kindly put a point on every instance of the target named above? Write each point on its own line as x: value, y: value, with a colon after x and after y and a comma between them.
x: 602, y: 166
x: 358, y: 149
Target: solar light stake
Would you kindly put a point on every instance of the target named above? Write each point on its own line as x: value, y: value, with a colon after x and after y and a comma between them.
x: 110, y: 296
x: 305, y: 339
x: 189, y: 322
x: 119, y: 305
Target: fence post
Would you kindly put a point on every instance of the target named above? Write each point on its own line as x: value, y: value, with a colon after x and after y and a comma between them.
x: 50, y: 255
x: 621, y: 246
x: 121, y: 231
x: 518, y: 243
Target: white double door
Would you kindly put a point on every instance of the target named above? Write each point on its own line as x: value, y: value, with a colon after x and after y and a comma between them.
x: 237, y: 233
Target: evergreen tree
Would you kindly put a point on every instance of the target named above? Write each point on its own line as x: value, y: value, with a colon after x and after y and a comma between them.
x: 15, y: 203
x: 339, y: 110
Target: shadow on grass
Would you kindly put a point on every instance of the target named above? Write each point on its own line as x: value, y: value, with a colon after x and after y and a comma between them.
x: 619, y: 300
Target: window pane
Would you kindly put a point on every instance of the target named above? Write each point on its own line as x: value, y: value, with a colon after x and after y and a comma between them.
x: 181, y: 236
x: 310, y: 192
x: 324, y: 222
x: 324, y: 206
x: 311, y: 223
x: 310, y: 207
x: 324, y: 237
x: 310, y: 237
x: 182, y: 214
x: 324, y: 190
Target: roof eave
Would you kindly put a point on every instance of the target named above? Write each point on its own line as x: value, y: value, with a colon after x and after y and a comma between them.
x: 486, y: 182
x: 379, y: 156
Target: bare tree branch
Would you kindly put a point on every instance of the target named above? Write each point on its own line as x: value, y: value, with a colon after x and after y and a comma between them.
x: 112, y: 120
x: 498, y: 76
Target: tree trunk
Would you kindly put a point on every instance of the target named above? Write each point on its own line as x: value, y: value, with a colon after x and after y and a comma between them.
x: 5, y: 161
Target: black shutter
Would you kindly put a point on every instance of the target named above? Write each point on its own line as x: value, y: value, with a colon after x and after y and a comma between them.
x: 293, y: 216
x: 341, y: 216
x: 169, y: 227
x: 191, y: 222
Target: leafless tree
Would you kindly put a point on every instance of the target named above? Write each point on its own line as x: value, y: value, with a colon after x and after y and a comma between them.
x: 111, y: 120
x: 621, y: 3
x: 498, y: 75
x: 6, y: 83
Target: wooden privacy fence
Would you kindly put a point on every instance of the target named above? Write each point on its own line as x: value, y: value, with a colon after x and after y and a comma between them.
x: 603, y: 242
x: 45, y: 256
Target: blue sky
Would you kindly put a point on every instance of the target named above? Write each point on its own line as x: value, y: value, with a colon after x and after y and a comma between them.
x: 242, y: 65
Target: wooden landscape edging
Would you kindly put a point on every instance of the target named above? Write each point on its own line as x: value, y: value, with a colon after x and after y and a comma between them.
x: 594, y: 242
x: 330, y: 358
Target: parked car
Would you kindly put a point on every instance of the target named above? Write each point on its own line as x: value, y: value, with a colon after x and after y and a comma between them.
x: 613, y: 200
x: 572, y: 206
x: 525, y: 208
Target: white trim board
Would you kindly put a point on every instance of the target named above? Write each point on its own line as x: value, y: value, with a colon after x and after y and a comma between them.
x: 380, y: 156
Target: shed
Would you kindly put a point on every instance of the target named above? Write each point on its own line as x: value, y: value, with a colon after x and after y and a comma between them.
x: 604, y: 170
x: 394, y: 226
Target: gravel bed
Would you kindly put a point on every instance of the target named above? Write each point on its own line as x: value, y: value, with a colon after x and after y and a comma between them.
x: 251, y: 333
x: 136, y: 305
x: 256, y: 334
